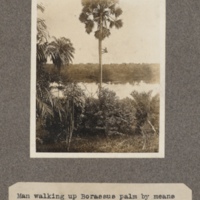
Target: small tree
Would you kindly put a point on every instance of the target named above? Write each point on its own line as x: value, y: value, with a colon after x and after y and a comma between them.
x: 104, y: 14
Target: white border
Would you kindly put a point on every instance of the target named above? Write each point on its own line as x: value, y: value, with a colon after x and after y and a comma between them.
x: 33, y: 79
x: 160, y: 154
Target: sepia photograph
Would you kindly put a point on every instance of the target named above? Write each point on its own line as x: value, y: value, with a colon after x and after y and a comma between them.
x: 98, y: 79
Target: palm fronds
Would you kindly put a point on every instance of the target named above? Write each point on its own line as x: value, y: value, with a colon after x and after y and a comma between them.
x: 103, y: 13
x: 61, y: 51
x: 42, y: 108
x: 40, y: 7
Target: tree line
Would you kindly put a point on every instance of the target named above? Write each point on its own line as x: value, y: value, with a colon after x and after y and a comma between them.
x: 116, y: 73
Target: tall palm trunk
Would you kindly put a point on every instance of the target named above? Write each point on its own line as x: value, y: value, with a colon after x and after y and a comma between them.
x: 100, y: 56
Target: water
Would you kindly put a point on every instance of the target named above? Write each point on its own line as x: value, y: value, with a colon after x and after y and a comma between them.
x: 121, y: 90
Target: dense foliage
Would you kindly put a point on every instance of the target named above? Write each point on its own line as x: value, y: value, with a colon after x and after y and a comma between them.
x: 67, y: 112
x: 107, y: 115
x: 56, y: 115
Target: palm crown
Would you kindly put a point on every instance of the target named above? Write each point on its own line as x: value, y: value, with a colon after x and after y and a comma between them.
x: 102, y: 13
x: 60, y: 51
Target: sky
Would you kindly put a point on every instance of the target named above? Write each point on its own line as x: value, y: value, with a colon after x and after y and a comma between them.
x: 138, y: 41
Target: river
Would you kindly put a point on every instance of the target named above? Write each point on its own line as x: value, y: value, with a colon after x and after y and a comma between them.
x: 121, y: 90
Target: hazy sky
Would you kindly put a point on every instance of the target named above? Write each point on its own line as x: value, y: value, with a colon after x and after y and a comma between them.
x: 138, y: 41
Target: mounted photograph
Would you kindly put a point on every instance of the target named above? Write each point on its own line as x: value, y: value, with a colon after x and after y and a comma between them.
x: 97, y: 79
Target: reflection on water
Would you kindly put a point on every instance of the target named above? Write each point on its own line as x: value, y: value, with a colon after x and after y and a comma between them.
x: 121, y: 90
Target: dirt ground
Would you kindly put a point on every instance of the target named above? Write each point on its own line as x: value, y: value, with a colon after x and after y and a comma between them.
x: 110, y: 144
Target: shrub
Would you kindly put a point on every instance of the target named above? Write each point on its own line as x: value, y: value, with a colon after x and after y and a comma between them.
x: 146, y: 111
x: 107, y: 115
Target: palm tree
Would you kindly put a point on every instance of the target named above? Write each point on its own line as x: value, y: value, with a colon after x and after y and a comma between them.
x: 43, y: 107
x: 104, y: 15
x: 42, y: 37
x: 61, y: 52
x: 56, y: 111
